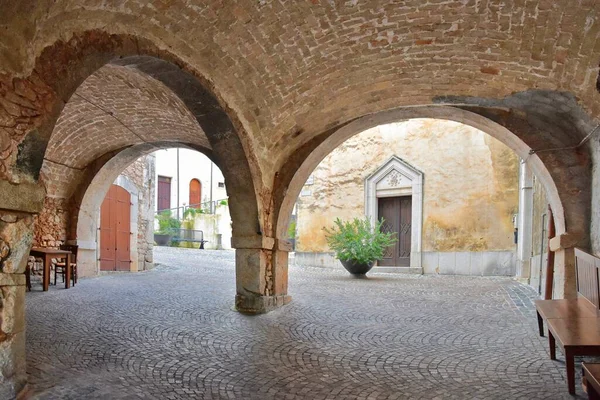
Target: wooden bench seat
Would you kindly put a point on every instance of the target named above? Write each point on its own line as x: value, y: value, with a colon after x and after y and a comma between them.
x: 564, y: 308
x: 576, y: 337
x: 591, y: 380
x: 574, y: 324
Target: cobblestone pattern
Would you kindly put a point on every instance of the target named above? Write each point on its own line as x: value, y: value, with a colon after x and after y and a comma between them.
x: 171, y: 333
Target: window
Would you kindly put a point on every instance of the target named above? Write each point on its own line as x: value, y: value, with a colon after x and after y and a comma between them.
x: 221, y: 184
x: 195, y: 193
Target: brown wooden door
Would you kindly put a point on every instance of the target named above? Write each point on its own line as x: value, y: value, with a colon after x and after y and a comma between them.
x: 164, y: 193
x: 397, y: 215
x: 195, y: 193
x: 115, y: 232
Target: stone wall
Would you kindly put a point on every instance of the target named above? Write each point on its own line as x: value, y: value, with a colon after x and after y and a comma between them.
x: 539, y: 242
x: 470, y: 192
x: 141, y: 174
x: 52, y: 223
x: 595, y: 225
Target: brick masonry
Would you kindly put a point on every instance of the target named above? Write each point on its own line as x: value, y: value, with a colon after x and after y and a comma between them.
x: 271, y: 94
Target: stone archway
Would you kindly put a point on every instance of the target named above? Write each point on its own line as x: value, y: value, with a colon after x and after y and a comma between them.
x: 548, y: 173
x: 57, y: 82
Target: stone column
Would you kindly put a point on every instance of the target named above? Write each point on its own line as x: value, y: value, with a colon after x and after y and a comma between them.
x: 261, y: 274
x: 18, y: 203
x: 525, y: 220
x: 16, y: 234
x: 564, y: 266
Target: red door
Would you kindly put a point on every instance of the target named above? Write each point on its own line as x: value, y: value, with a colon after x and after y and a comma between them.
x: 195, y: 193
x: 115, y: 233
x: 397, y: 215
x: 164, y: 193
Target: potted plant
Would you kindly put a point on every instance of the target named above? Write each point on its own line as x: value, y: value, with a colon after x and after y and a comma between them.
x: 166, y: 224
x: 358, y: 244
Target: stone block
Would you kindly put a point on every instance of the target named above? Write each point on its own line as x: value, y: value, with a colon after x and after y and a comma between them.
x: 447, y: 263
x: 13, y: 309
x: 463, y: 263
x: 431, y: 263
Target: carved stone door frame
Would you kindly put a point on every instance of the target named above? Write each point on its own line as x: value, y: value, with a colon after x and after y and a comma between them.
x: 394, y: 178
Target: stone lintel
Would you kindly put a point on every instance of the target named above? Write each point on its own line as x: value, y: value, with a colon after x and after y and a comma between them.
x: 260, y: 304
x: 23, y: 197
x: 253, y: 242
x: 564, y: 241
x: 12, y: 279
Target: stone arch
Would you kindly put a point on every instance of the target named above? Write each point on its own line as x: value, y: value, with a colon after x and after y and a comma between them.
x: 88, y: 214
x: 62, y: 67
x: 484, y: 124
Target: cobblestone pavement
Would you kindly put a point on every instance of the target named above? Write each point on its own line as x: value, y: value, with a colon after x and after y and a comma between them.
x: 171, y: 333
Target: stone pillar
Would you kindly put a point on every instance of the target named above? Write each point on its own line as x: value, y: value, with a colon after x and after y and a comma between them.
x: 16, y: 235
x: 565, y: 285
x: 261, y: 274
x: 525, y: 220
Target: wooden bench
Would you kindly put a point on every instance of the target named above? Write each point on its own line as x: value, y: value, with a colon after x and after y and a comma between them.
x: 591, y: 380
x: 188, y: 235
x: 586, y: 304
x: 574, y: 324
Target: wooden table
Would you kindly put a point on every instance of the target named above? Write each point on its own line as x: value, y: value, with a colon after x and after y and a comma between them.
x: 591, y: 373
x: 577, y: 337
x: 47, y: 255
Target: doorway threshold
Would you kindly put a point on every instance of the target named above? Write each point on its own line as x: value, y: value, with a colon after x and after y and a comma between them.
x: 399, y: 270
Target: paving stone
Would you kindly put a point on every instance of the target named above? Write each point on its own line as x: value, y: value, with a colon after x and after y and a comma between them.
x: 171, y: 333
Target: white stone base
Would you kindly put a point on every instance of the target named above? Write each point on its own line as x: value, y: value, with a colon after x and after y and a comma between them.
x: 488, y: 263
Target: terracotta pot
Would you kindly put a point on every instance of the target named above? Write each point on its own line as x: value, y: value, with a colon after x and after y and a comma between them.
x: 357, y: 269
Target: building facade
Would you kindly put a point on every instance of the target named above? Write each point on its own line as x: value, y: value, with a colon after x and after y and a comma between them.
x: 187, y: 178
x: 449, y: 190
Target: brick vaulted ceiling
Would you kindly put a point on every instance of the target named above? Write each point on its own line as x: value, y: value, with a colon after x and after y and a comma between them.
x: 291, y: 70
x: 117, y: 107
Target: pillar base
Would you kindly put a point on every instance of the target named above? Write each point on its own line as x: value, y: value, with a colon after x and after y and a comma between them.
x: 260, y: 304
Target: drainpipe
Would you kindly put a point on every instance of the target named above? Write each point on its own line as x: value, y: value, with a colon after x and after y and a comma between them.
x: 178, y: 183
x: 525, y: 219
x: 211, y: 188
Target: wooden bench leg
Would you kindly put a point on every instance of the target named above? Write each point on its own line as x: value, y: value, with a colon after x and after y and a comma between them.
x: 540, y: 324
x: 570, y: 359
x: 552, y: 344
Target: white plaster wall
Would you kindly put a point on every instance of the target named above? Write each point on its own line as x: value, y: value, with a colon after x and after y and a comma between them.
x: 213, y: 224
x: 192, y: 165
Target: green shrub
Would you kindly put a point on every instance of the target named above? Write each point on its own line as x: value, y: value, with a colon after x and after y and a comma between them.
x: 292, y: 230
x: 166, y: 222
x: 357, y: 240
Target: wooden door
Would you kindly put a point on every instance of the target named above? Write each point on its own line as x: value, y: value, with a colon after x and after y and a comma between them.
x: 164, y: 193
x: 195, y: 193
x: 397, y: 215
x: 115, y: 232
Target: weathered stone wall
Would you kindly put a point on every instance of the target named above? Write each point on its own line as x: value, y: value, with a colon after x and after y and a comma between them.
x: 539, y: 227
x: 470, y: 189
x: 539, y: 239
x: 595, y: 225
x: 51, y: 224
x: 141, y: 174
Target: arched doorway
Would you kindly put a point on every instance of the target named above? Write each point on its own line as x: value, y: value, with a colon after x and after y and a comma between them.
x: 195, y: 193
